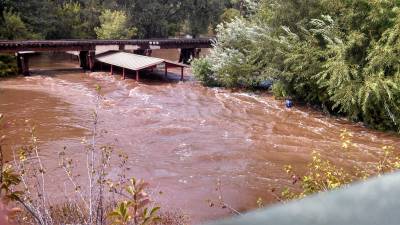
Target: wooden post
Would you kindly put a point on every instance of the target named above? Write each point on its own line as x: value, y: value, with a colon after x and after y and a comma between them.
x: 182, y: 68
x: 137, y: 75
x: 112, y: 72
x: 123, y: 73
x: 166, y: 70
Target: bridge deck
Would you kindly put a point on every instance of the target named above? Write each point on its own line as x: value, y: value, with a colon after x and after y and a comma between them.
x: 90, y: 45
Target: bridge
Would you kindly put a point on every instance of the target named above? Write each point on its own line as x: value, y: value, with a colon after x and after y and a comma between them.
x: 87, y: 48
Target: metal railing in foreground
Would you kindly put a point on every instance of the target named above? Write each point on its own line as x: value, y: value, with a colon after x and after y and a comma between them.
x: 374, y: 202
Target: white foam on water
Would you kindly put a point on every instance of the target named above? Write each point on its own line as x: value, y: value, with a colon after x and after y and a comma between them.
x: 184, y: 151
x: 139, y: 95
x: 66, y: 90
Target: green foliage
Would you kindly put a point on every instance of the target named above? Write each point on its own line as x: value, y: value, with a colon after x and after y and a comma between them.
x: 155, y: 18
x: 38, y: 16
x: 114, y: 25
x: 8, y: 66
x: 202, y: 70
x: 203, y: 13
x: 229, y: 15
x: 341, y: 55
x: 230, y: 65
x: 61, y: 19
x: 9, y: 179
x: 279, y: 90
x: 13, y: 28
x: 71, y: 21
x: 322, y: 175
x: 136, y: 209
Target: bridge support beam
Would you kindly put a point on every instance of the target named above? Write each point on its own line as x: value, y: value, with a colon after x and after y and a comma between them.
x: 83, y: 59
x: 145, y: 52
x: 197, y: 53
x: 23, y: 64
x: 19, y: 63
x: 86, y: 60
x: 91, y: 60
x: 189, y: 53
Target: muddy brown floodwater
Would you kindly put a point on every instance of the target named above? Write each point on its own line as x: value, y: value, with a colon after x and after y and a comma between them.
x: 180, y: 137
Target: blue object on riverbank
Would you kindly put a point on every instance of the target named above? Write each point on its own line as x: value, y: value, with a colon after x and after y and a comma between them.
x: 289, y: 103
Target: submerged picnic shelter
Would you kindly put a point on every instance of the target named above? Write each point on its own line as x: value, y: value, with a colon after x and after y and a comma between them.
x: 137, y: 63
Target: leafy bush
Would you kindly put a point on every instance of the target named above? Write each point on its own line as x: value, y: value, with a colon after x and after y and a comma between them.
x: 202, y: 70
x: 228, y: 64
x: 279, y: 90
x: 8, y: 66
x: 341, y: 55
x: 229, y: 15
x: 322, y: 175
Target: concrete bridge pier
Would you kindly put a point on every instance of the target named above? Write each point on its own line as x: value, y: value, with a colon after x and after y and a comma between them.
x: 87, y: 60
x: 145, y: 52
x: 83, y: 58
x: 19, y: 63
x: 91, y: 60
x: 189, y: 53
x: 23, y: 64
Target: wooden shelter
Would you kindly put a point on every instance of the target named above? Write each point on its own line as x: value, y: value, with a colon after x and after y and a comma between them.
x: 134, y: 62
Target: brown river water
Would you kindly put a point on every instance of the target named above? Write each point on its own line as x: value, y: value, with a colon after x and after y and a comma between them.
x: 180, y: 137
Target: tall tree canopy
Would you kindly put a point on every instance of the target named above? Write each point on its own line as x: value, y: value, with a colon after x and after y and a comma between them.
x: 55, y: 19
x: 114, y: 25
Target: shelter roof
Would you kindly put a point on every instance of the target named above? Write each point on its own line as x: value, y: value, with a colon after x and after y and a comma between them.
x: 129, y: 60
x: 132, y: 61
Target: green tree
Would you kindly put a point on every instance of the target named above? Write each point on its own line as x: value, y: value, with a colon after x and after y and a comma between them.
x: 14, y: 28
x: 229, y: 15
x: 71, y: 23
x: 203, y: 13
x: 340, y: 54
x: 8, y: 66
x: 39, y: 15
x: 114, y: 25
x: 155, y: 18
